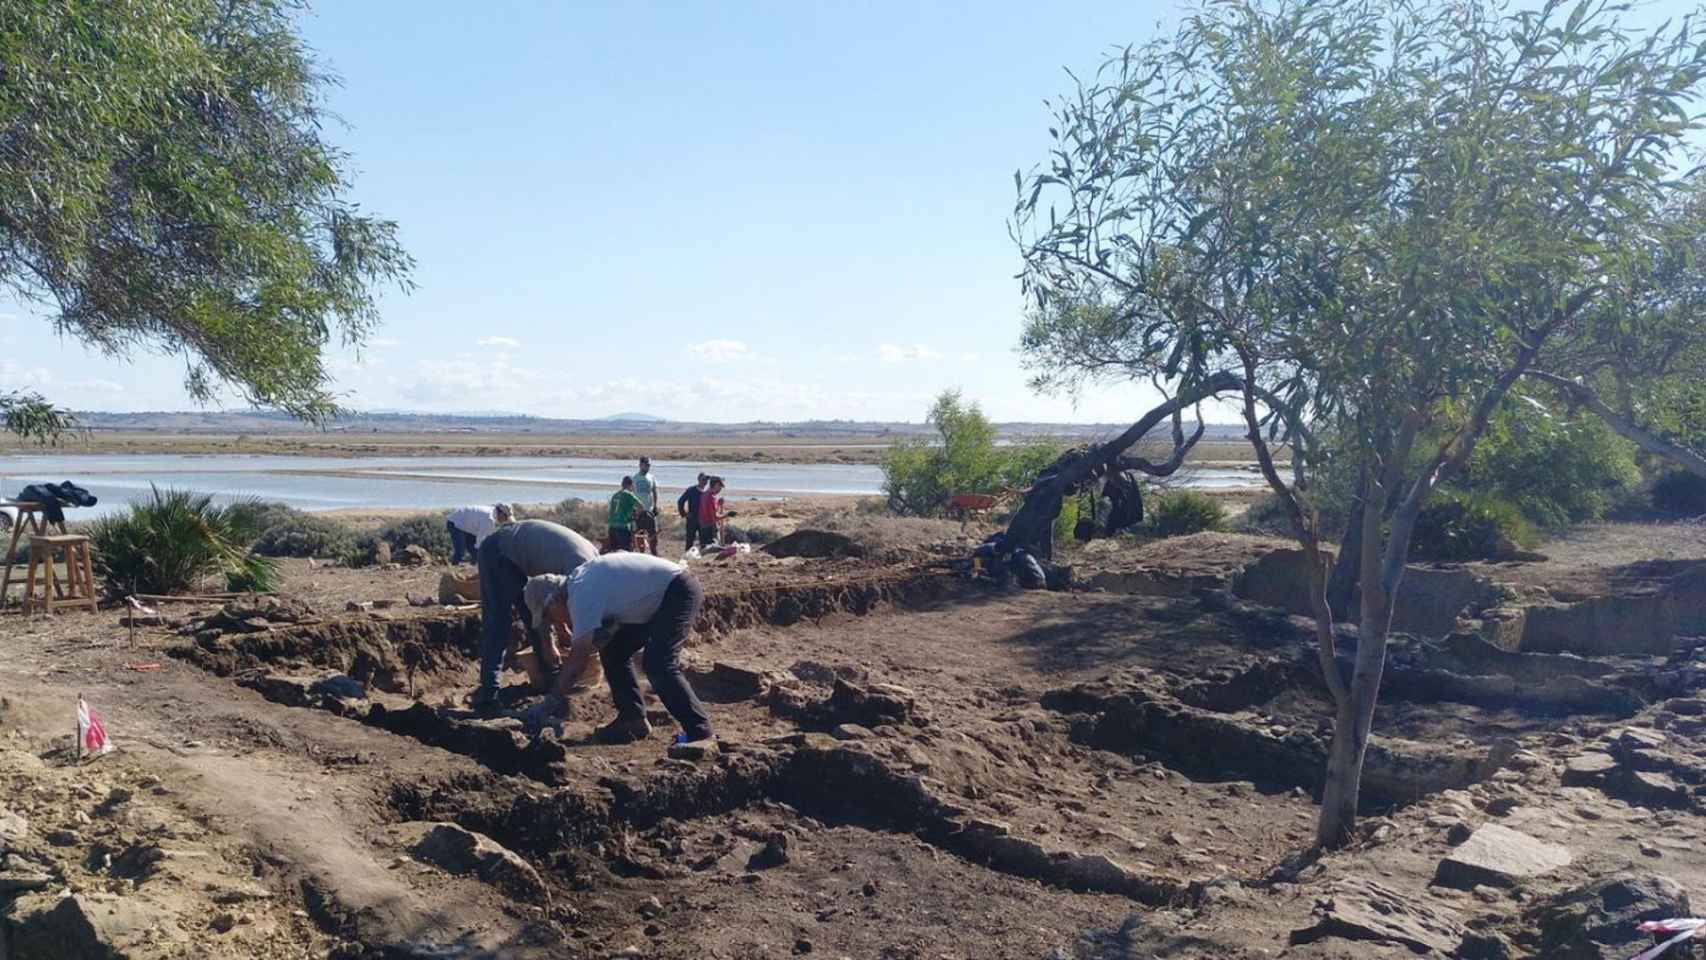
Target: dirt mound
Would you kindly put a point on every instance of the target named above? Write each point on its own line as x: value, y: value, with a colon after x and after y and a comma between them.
x: 896, y: 539
x: 815, y: 544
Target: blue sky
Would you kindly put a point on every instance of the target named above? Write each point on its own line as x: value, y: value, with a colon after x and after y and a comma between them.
x: 703, y: 211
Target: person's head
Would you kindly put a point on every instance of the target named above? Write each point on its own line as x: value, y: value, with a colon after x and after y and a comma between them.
x: 547, y: 599
x: 503, y: 513
x: 716, y: 485
x: 627, y: 483
x: 645, y: 465
x: 704, y: 478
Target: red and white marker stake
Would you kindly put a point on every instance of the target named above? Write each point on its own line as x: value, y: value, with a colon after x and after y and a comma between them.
x: 1684, y: 928
x: 91, y: 734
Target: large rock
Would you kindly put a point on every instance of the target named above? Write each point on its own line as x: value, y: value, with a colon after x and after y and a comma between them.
x: 414, y: 555
x: 456, y: 850
x: 1596, y: 921
x: 83, y: 927
x: 454, y: 590
x: 1500, y: 857
x: 1357, y: 908
x: 1587, y: 769
x: 1647, y: 789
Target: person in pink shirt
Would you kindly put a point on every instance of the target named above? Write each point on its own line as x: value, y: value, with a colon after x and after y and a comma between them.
x: 711, y: 512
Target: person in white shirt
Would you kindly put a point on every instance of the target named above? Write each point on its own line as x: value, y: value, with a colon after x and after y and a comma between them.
x: 616, y: 606
x: 469, y: 527
x: 646, y: 488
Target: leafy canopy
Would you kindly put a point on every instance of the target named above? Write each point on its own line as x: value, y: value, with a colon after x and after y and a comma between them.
x: 164, y: 184
x: 920, y: 474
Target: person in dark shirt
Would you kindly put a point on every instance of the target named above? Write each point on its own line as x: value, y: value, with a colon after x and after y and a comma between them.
x: 688, y: 506
x: 510, y: 555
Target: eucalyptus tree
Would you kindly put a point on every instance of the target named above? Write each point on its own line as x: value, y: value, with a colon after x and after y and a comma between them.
x: 1365, y: 220
x: 165, y: 185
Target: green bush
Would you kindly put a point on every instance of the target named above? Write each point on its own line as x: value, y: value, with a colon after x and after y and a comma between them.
x: 1454, y: 527
x: 1680, y: 493
x: 1180, y: 512
x: 1556, y: 470
x: 251, y: 518
x: 920, y: 474
x: 422, y: 529
x: 171, y: 543
x: 300, y: 534
x: 589, y: 519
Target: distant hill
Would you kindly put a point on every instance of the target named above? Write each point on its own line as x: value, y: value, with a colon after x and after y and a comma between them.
x: 622, y: 424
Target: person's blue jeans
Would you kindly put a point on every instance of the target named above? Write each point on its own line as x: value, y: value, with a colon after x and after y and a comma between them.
x: 461, y: 543
x: 501, y: 585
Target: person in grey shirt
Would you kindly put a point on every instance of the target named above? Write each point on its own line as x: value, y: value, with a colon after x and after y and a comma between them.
x: 507, y: 558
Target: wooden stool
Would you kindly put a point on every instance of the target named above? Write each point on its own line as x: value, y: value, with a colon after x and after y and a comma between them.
x: 79, y: 590
x: 32, y: 516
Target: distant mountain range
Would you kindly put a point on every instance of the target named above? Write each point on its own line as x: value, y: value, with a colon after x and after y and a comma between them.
x: 261, y: 421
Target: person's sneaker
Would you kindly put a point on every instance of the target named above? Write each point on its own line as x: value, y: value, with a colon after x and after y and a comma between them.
x: 485, y: 700
x: 624, y: 730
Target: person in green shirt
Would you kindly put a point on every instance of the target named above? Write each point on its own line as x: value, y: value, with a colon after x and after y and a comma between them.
x: 623, y: 507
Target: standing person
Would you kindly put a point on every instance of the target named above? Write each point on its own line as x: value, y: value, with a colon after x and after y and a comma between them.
x: 688, y: 506
x: 469, y: 527
x: 622, y: 604
x: 508, y: 557
x: 711, y: 512
x: 646, y: 488
x: 624, y: 506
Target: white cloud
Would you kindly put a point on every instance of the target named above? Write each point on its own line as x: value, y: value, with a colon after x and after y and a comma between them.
x: 457, y: 384
x: 499, y: 342
x: 903, y: 353
x: 722, y: 351
x: 968, y: 358
x: 384, y: 343
x: 53, y: 386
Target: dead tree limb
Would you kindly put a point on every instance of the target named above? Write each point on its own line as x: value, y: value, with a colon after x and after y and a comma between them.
x: 1032, y: 526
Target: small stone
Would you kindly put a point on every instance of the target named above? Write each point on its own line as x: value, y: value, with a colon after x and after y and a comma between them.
x: 852, y: 731
x: 1176, y: 839
x: 694, y: 750
x: 870, y: 888
x: 774, y: 854
x: 1487, y: 894
x: 223, y: 922
x: 651, y: 908
x: 1640, y: 738
x: 358, y: 606
x: 802, y: 947
x: 62, y: 838
x: 1648, y: 850
x: 1458, y: 832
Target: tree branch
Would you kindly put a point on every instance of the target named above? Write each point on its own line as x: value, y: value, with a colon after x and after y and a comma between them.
x: 1625, y: 427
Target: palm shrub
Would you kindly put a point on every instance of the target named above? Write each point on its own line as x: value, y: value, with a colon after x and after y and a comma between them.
x: 1457, y: 526
x: 1177, y: 513
x: 172, y: 542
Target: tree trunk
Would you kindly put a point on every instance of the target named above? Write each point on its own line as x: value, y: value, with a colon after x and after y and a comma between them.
x: 1354, y: 717
x: 1032, y: 525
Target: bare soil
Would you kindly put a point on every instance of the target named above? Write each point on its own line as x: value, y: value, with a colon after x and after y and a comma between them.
x: 911, y: 765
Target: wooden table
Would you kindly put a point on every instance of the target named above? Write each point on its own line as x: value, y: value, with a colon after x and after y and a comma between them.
x: 33, y: 517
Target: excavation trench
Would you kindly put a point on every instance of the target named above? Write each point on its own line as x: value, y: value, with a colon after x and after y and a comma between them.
x: 403, y: 654
x: 819, y: 777
x: 1210, y: 745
